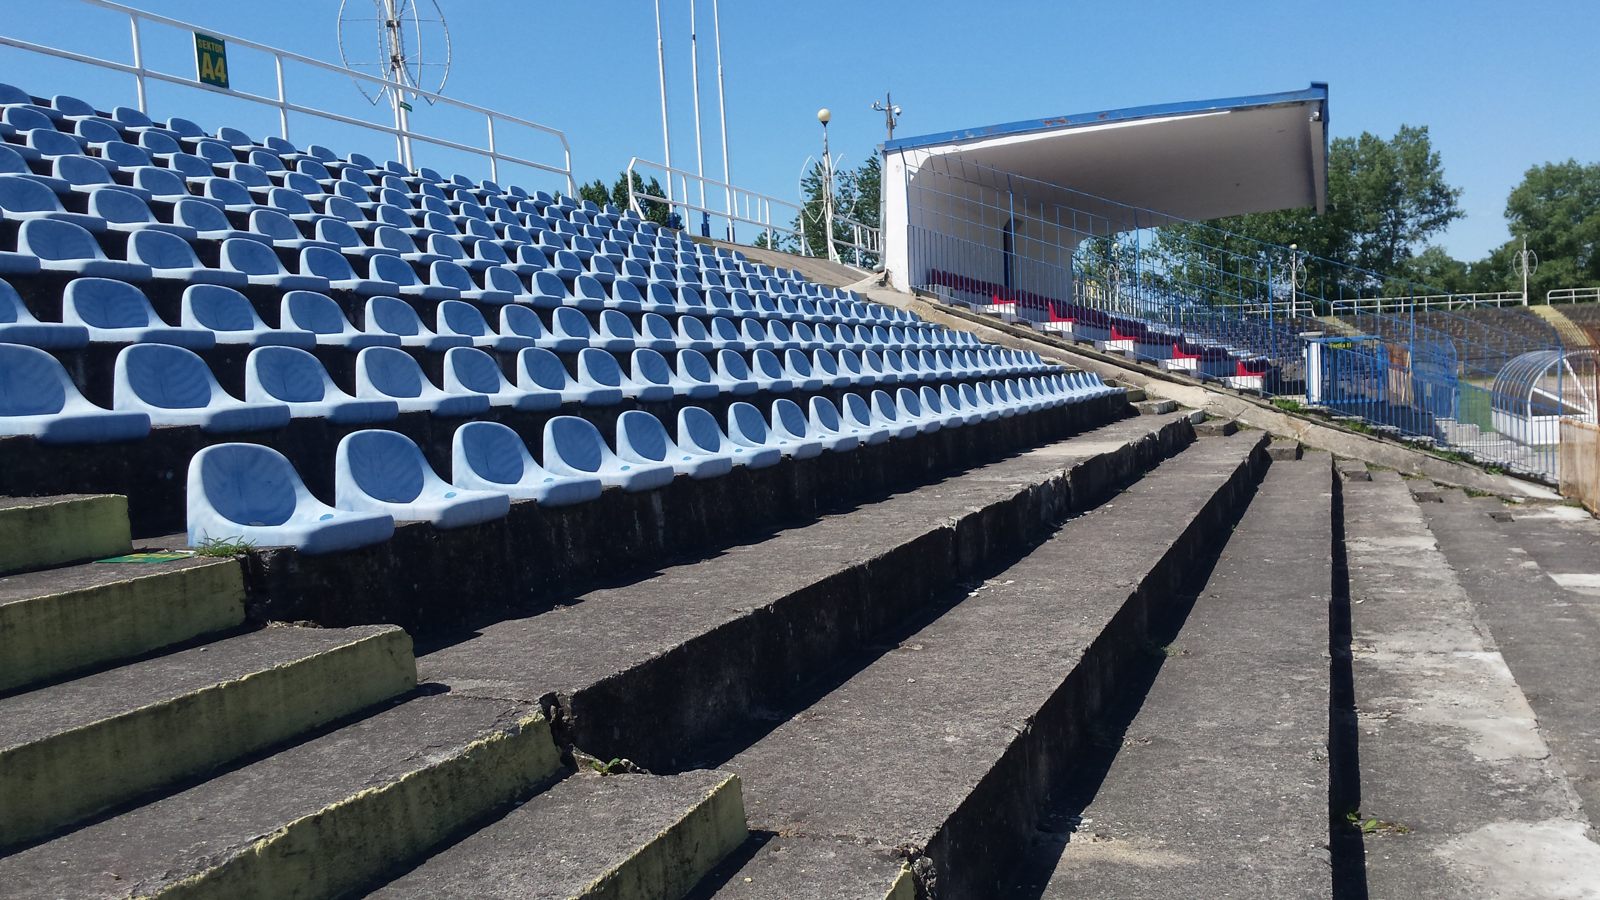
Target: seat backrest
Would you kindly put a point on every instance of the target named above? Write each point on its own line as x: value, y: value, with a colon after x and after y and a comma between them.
x: 250, y: 257
x: 491, y: 450
x: 32, y: 382
x: 329, y: 264
x: 219, y: 308
x: 390, y: 371
x: 569, y: 322
x: 856, y: 409
x: 106, y: 303
x: 575, y: 442
x: 824, y: 414
x: 699, y: 429
x: 474, y: 370
x: 693, y: 365
x: 521, y: 321
x: 650, y: 366
x: 459, y: 317
x: 49, y: 239
x: 392, y: 269
x: 393, y: 316
x: 21, y: 195
x: 765, y: 363
x: 643, y: 434
x: 119, y: 207
x: 384, y: 464
x: 161, y: 250
x: 883, y: 406
x: 12, y: 309
x: 541, y: 368
x: 599, y: 367
x: 616, y: 324
x: 311, y: 311
x: 447, y: 274
x: 166, y: 376
x: 788, y: 415
x: 199, y: 215
x: 247, y: 483
x: 288, y: 374
x: 274, y: 225
x: 732, y: 365
x: 795, y: 361
x: 745, y: 424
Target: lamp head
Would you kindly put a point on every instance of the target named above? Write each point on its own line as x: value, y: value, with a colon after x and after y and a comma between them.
x: 823, y: 115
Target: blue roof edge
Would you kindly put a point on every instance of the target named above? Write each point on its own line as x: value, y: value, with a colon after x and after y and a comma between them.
x: 1317, y: 92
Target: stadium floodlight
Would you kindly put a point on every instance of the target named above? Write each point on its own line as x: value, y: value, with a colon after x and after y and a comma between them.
x: 824, y: 115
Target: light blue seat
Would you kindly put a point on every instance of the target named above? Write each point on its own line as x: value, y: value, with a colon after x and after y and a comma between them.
x: 625, y: 297
x: 18, y: 325
x: 909, y: 408
x: 826, y: 366
x: 384, y: 472
x: 332, y: 266
x: 317, y: 314
x: 281, y: 230
x: 458, y: 318
x: 651, y: 368
x: 117, y: 311
x: 468, y: 370
x: 974, y: 402
x: 698, y: 432
x: 588, y: 294
x: 768, y: 372
x: 599, y: 370
x: 641, y: 440
x: 170, y: 257
x: 522, y: 322
x: 827, y: 420
x: 886, y: 414
x: 250, y: 493
x: 748, y: 429
x: 38, y: 399
x: 549, y: 292
x: 791, y: 431
x: 724, y: 334
x: 449, y: 275
x: 733, y: 374
x: 175, y: 387
x: 798, y: 370
x: 399, y: 272
x: 388, y: 373
x: 209, y: 222
x: 22, y: 199
x: 64, y: 247
x: 231, y: 318
x: 488, y: 456
x: 615, y: 334
x: 934, y: 406
x: 261, y: 266
x: 391, y: 315
x: 694, y: 375
x: 692, y: 335
x: 539, y: 369
x: 573, y: 447
x: 123, y: 211
x: 292, y: 376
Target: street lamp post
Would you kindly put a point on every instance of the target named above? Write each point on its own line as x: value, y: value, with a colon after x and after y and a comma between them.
x: 891, y: 113
x: 823, y: 116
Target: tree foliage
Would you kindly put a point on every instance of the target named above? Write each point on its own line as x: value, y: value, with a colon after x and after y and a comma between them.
x: 856, y: 198
x: 652, y: 210
x: 1557, y: 209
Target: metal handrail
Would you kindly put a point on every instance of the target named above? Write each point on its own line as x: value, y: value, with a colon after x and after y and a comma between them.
x: 403, y: 136
x: 1572, y: 295
x: 744, y: 205
x: 1428, y: 301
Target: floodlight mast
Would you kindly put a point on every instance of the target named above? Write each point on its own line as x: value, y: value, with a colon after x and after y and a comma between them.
x: 891, y: 113
x: 722, y: 113
x: 661, y: 73
x: 824, y: 116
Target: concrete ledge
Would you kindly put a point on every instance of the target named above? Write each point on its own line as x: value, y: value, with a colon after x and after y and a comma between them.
x: 617, y: 837
x: 52, y: 531
x: 428, y: 580
x: 56, y: 622
x: 71, y: 750
x: 790, y: 867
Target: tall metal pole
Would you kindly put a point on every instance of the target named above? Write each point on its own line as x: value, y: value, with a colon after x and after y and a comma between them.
x: 1524, y: 267
x: 396, y: 75
x: 694, y: 63
x: 722, y: 113
x: 823, y: 115
x: 661, y: 73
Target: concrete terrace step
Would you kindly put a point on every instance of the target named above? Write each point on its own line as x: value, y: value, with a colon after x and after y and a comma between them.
x: 73, y: 749
x: 57, y: 621
x: 946, y: 748
x: 1464, y: 795
x: 319, y: 819
x: 39, y: 532
x: 786, y: 867
x: 641, y: 837
x: 1220, y: 787
x: 655, y: 669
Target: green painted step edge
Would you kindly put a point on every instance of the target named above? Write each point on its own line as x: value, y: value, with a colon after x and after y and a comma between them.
x: 52, y: 531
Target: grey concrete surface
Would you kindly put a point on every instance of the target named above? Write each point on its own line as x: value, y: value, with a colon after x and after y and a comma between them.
x: 1464, y: 794
x: 1220, y: 788
x: 786, y: 867
x: 947, y: 746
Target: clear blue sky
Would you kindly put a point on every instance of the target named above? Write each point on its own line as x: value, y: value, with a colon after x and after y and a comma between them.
x: 1502, y: 86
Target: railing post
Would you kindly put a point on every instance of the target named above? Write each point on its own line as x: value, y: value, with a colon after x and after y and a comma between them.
x: 138, y: 63
x: 283, y: 98
x: 494, y: 157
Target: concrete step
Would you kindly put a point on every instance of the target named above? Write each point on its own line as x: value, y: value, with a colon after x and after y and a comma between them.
x: 792, y: 867
x: 73, y: 749
x: 1230, y: 743
x: 1156, y: 407
x: 1284, y: 449
x: 40, y: 532
x: 642, y: 837
x: 945, y: 749
x: 58, y: 621
x: 1460, y: 795
x: 655, y: 670
x: 322, y: 818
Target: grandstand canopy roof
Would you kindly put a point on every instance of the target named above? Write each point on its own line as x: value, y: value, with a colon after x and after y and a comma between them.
x: 1194, y: 160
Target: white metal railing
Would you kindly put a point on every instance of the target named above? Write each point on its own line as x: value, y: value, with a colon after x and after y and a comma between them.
x: 1429, y: 301
x: 1573, y: 295
x: 400, y: 131
x: 746, y: 206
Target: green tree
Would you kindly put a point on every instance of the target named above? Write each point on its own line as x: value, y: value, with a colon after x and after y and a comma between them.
x: 1556, y: 209
x: 856, y: 197
x: 617, y: 195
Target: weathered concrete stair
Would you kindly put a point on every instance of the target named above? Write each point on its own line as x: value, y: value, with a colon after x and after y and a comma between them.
x: 1230, y: 744
x: 640, y: 837
x: 39, y: 532
x: 945, y: 749
x: 656, y: 669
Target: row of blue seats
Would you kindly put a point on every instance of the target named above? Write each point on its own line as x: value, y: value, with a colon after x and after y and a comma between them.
x: 162, y: 384
x: 246, y: 492
x: 107, y: 310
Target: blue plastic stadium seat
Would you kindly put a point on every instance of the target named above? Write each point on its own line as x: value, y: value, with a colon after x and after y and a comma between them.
x: 332, y: 266
x: 18, y: 325
x: 748, y: 429
x: 174, y: 387
x: 598, y: 369
x: 641, y: 440
x: 615, y: 334
x: 230, y: 317
x: 172, y: 258
x: 22, y: 199
x: 398, y: 271
x: 692, y: 335
x: 488, y: 456
x: 64, y: 247
x: 698, y: 432
x: 317, y: 313
x: 574, y: 447
x: 384, y: 472
x: 117, y: 311
x: 525, y: 323
x: 468, y: 370
x: 388, y: 373
x: 539, y: 369
x: 390, y: 315
x: 262, y: 266
x: 734, y: 375
x: 459, y: 318
x: 38, y: 398
x: 250, y: 493
x: 292, y: 376
x: 769, y: 373
x: 909, y: 408
x: 791, y: 432
x: 885, y: 414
